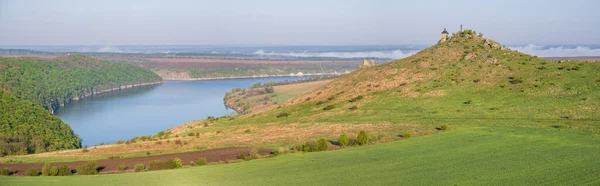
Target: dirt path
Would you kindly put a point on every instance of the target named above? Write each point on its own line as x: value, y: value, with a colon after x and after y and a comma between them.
x: 110, y: 165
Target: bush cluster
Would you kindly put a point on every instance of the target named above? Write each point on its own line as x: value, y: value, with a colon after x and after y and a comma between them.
x: 48, y: 170
x: 139, y: 167
x: 91, y: 168
x: 165, y: 164
x: 32, y: 172
x: 329, y: 107
x: 4, y: 172
x: 122, y: 167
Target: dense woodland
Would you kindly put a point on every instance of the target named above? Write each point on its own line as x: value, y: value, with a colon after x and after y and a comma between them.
x: 27, y: 128
x: 31, y: 85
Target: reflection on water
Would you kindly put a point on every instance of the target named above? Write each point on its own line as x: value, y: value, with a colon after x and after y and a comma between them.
x: 147, y: 110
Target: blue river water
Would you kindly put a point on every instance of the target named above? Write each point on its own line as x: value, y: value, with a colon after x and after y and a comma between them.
x: 121, y: 115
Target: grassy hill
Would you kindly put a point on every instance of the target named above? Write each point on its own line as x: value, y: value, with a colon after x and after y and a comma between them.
x: 28, y: 86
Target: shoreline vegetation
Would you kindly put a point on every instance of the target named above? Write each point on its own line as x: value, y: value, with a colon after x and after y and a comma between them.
x: 122, y: 87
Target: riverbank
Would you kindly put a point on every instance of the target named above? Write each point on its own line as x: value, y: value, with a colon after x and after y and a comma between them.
x: 122, y: 87
x: 256, y: 99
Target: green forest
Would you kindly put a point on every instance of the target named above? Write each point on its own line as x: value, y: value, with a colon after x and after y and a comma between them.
x: 32, y: 88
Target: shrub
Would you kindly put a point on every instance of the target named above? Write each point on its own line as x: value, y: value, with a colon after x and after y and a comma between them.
x: 46, y: 169
x: 165, y: 164
x: 254, y: 154
x: 32, y: 172
x: 178, y: 142
x: 356, y: 99
x: 4, y: 172
x: 353, y: 107
x: 310, y: 146
x: 362, y: 138
x: 61, y: 171
x: 343, y: 139
x: 190, y: 134
x: 322, y: 145
x: 329, y: 107
x: 443, y: 127
x: 122, y: 167
x: 244, y: 157
x: 84, y: 150
x: 53, y: 171
x: 178, y: 163
x: 280, y: 115
x: 201, y: 161
x: 247, y: 131
x: 139, y: 167
x: 88, y: 169
x: 320, y: 103
x: 468, y: 102
x: 405, y: 135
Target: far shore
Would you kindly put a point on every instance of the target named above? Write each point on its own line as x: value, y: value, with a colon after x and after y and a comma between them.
x: 247, y: 77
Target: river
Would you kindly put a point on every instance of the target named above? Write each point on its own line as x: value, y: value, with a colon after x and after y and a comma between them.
x: 121, y: 115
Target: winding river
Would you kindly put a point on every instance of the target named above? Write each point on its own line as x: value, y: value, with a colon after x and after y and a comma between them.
x: 121, y: 115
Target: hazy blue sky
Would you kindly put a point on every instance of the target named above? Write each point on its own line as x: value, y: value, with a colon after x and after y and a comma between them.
x: 306, y: 22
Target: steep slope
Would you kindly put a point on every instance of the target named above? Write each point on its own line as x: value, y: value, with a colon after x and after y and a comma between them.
x: 28, y: 128
x: 28, y: 85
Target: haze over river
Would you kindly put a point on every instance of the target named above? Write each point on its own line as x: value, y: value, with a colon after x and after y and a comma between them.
x: 121, y: 115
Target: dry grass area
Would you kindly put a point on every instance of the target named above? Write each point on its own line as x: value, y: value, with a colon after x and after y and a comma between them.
x: 249, y: 135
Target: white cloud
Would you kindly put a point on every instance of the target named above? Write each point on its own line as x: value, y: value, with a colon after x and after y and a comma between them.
x: 561, y: 51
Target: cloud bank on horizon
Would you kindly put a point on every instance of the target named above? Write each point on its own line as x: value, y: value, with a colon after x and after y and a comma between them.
x: 559, y: 51
x: 396, y: 54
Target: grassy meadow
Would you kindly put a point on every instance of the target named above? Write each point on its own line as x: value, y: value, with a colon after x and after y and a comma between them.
x: 462, y: 156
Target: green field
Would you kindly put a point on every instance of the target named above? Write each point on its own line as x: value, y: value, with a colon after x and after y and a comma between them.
x: 464, y: 156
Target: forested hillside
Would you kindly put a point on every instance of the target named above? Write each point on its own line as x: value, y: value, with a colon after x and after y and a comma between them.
x: 55, y: 82
x: 28, y: 128
x: 28, y: 85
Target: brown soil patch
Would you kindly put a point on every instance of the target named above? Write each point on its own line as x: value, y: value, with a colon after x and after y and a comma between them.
x: 110, y: 165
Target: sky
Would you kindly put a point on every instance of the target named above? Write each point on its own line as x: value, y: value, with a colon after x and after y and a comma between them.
x: 306, y: 22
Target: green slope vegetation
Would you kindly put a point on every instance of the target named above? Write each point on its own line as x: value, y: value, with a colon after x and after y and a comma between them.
x: 466, y: 156
x: 466, y: 80
x: 28, y: 128
x: 29, y: 85
x: 55, y: 82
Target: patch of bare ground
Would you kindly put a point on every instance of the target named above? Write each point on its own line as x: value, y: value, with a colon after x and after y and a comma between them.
x: 110, y: 165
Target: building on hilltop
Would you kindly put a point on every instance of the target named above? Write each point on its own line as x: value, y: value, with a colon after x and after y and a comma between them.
x: 444, y: 36
x: 367, y: 63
